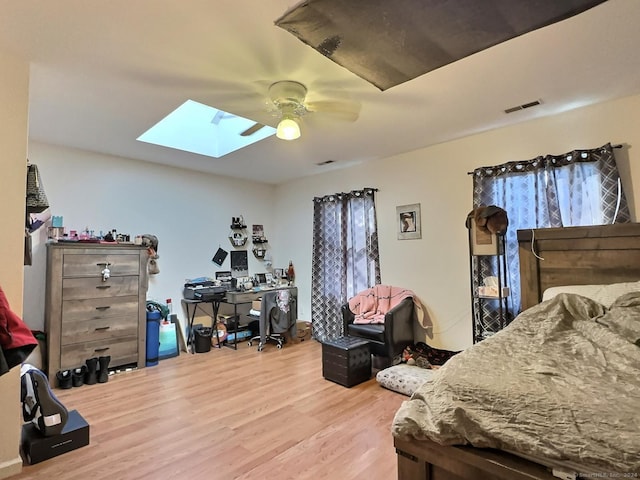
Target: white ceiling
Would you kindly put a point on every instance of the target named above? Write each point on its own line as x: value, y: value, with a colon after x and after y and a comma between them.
x: 104, y: 72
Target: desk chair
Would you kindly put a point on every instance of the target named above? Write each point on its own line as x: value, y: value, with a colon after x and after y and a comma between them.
x: 278, y: 314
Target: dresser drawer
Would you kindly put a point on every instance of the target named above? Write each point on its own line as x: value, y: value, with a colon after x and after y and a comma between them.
x: 78, y: 265
x: 122, y: 350
x: 100, y: 308
x: 83, y: 288
x: 97, y: 330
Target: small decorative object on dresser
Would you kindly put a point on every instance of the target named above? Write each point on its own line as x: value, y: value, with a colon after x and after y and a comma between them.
x: 95, y: 304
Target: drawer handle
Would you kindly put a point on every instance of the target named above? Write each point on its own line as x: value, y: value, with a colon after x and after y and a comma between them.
x: 102, y: 328
x: 103, y: 264
x: 107, y: 307
x: 102, y: 287
x: 99, y: 350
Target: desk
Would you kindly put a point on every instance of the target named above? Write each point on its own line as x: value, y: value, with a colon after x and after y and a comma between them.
x: 234, y: 298
x: 215, y: 307
x: 248, y: 296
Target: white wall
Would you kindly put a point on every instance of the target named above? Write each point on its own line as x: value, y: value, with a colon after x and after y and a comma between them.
x: 436, y: 267
x: 189, y: 212
x: 14, y: 95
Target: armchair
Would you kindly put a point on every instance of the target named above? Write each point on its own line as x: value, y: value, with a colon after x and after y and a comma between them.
x: 386, y: 339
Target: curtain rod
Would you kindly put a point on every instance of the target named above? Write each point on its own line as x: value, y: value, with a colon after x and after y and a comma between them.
x: 612, y: 146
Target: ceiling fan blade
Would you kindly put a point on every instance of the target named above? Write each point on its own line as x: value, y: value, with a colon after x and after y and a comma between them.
x: 217, y: 117
x: 252, y: 129
x: 344, y: 110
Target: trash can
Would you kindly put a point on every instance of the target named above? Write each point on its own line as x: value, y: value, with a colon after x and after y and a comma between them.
x: 202, y: 339
x: 153, y: 337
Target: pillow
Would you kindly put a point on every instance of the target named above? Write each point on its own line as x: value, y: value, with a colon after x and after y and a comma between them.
x: 603, y: 294
x: 623, y: 317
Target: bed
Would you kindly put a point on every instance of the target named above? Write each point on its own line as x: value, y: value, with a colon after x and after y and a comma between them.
x: 429, y: 448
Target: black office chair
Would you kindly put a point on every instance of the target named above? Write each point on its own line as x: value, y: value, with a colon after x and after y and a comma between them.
x: 387, y: 340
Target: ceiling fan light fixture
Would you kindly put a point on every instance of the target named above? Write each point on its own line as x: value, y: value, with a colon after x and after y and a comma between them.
x: 288, y: 129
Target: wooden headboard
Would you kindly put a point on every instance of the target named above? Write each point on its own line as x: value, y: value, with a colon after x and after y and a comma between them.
x: 577, y: 256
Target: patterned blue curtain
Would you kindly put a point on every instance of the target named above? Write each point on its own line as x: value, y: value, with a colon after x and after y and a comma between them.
x: 346, y: 258
x: 577, y: 188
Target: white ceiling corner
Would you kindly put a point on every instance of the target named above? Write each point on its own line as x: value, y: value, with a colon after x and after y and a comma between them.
x: 104, y: 72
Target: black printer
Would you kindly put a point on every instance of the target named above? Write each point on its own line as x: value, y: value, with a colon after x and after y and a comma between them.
x: 203, y: 290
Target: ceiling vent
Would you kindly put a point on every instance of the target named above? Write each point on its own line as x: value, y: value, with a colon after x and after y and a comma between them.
x: 523, y: 106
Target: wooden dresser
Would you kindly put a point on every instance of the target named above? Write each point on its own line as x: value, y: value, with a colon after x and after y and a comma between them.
x: 92, y: 312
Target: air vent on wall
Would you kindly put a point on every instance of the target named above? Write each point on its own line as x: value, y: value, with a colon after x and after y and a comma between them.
x: 326, y: 162
x: 523, y: 106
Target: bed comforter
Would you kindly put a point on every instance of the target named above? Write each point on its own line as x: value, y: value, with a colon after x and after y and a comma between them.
x: 561, y: 382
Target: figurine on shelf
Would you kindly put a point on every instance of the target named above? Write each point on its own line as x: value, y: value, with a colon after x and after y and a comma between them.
x: 237, y: 238
x: 291, y: 274
x: 238, y: 222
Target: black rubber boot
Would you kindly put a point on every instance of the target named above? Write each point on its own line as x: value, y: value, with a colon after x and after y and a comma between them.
x: 92, y: 371
x: 78, y: 375
x: 103, y: 372
x: 64, y: 378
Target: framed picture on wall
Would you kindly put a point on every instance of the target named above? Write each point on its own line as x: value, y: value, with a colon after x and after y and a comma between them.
x: 408, y: 219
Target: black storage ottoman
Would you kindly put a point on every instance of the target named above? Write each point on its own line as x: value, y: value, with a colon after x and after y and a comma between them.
x: 346, y: 360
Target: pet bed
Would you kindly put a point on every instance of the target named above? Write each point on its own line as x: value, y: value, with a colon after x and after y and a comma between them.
x: 403, y: 378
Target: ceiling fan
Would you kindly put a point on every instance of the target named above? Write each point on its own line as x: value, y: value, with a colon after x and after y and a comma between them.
x: 287, y: 99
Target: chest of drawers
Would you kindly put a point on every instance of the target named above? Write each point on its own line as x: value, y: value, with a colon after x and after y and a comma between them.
x: 90, y: 314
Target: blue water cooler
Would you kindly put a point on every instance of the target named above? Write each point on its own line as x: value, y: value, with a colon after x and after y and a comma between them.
x: 153, y: 337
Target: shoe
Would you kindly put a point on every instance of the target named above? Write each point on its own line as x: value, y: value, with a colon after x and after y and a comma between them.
x: 92, y: 367
x: 78, y: 375
x: 103, y: 372
x: 64, y: 378
x: 39, y: 404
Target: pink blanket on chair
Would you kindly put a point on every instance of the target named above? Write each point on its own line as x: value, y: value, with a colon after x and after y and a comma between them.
x: 371, y: 305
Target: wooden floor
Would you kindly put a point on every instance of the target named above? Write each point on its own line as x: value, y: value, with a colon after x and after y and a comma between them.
x: 230, y: 414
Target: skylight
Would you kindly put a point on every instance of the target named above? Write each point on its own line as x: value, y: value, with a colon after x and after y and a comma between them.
x: 198, y: 128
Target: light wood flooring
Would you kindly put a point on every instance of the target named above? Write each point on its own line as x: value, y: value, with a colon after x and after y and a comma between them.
x: 230, y: 414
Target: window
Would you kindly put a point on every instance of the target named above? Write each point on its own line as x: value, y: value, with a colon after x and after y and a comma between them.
x: 577, y: 188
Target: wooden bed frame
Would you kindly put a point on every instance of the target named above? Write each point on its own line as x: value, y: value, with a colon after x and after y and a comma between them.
x: 572, y: 256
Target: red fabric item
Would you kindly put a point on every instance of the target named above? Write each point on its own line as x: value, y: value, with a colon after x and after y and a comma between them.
x: 14, y: 333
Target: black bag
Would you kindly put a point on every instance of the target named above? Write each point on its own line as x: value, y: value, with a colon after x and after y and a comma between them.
x: 36, y: 198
